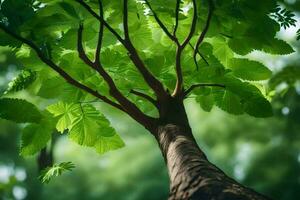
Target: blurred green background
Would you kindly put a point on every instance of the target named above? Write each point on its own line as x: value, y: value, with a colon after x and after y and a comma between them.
x: 261, y: 153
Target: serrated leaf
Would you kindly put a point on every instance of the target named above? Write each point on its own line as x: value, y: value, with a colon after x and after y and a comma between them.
x: 254, y: 103
x: 51, y: 88
x: 65, y: 114
x: 106, y: 144
x: 22, y: 81
x: 206, y: 102
x: 288, y: 75
x: 240, y: 46
x: 228, y: 102
x: 278, y: 47
x: 69, y: 9
x: 221, y: 50
x: 56, y: 170
x: 249, y: 70
x: 36, y: 136
x: 258, y: 106
x: 86, y: 125
x: 19, y: 110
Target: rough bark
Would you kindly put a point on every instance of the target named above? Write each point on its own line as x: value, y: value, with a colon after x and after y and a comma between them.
x: 192, y: 176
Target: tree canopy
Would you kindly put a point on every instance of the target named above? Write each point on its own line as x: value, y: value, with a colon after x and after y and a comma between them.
x: 127, y: 54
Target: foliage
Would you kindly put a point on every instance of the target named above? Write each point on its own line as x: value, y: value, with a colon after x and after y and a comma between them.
x: 22, y: 81
x: 288, y: 75
x: 86, y: 125
x: 19, y: 110
x: 285, y: 17
x: 76, y: 51
x: 56, y: 170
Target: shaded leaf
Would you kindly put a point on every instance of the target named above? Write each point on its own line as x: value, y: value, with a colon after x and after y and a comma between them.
x: 19, y: 110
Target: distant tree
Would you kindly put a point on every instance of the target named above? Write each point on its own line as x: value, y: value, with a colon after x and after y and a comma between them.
x: 143, y: 58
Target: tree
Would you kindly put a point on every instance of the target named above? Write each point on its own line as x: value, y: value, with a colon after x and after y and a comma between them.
x: 124, y: 54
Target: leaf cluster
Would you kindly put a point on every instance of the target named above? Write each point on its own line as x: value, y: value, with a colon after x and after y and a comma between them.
x: 130, y: 55
x: 56, y: 170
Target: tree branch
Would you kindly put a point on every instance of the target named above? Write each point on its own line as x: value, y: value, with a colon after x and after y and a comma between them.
x: 100, y: 36
x: 206, y: 27
x: 125, y: 19
x: 198, y: 52
x: 130, y: 108
x: 153, y: 83
x: 180, y: 48
x: 60, y: 71
x: 145, y: 96
x: 101, y: 19
x: 160, y: 23
x: 176, y: 17
x: 202, y: 85
x: 193, y: 27
x: 80, y: 48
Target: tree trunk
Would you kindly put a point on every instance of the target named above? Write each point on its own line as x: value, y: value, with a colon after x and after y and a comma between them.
x: 192, y: 176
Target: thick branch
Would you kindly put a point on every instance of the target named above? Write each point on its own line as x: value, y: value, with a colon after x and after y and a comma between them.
x: 206, y: 27
x: 202, y: 85
x: 60, y: 71
x: 154, y: 83
x: 180, y: 48
x: 145, y: 96
x: 160, y: 23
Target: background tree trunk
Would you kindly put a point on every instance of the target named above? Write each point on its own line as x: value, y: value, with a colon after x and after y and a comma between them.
x: 192, y: 176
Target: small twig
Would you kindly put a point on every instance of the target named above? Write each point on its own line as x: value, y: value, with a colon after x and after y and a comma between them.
x: 202, y: 85
x: 205, y: 30
x: 80, y: 48
x: 125, y: 19
x: 145, y: 96
x: 200, y: 54
x: 176, y: 17
x: 100, y: 34
x: 160, y: 23
x: 225, y: 35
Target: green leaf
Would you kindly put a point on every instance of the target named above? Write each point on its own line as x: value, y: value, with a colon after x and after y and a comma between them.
x: 206, y: 102
x: 19, y: 110
x: 22, y: 81
x: 221, y: 50
x: 289, y: 75
x: 241, y: 46
x: 65, y: 114
x: 228, y: 102
x: 106, y: 144
x: 254, y: 103
x: 51, y: 88
x: 86, y: 125
x: 69, y: 9
x: 56, y: 170
x: 249, y: 70
x: 36, y: 136
x: 258, y: 106
x: 278, y: 47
